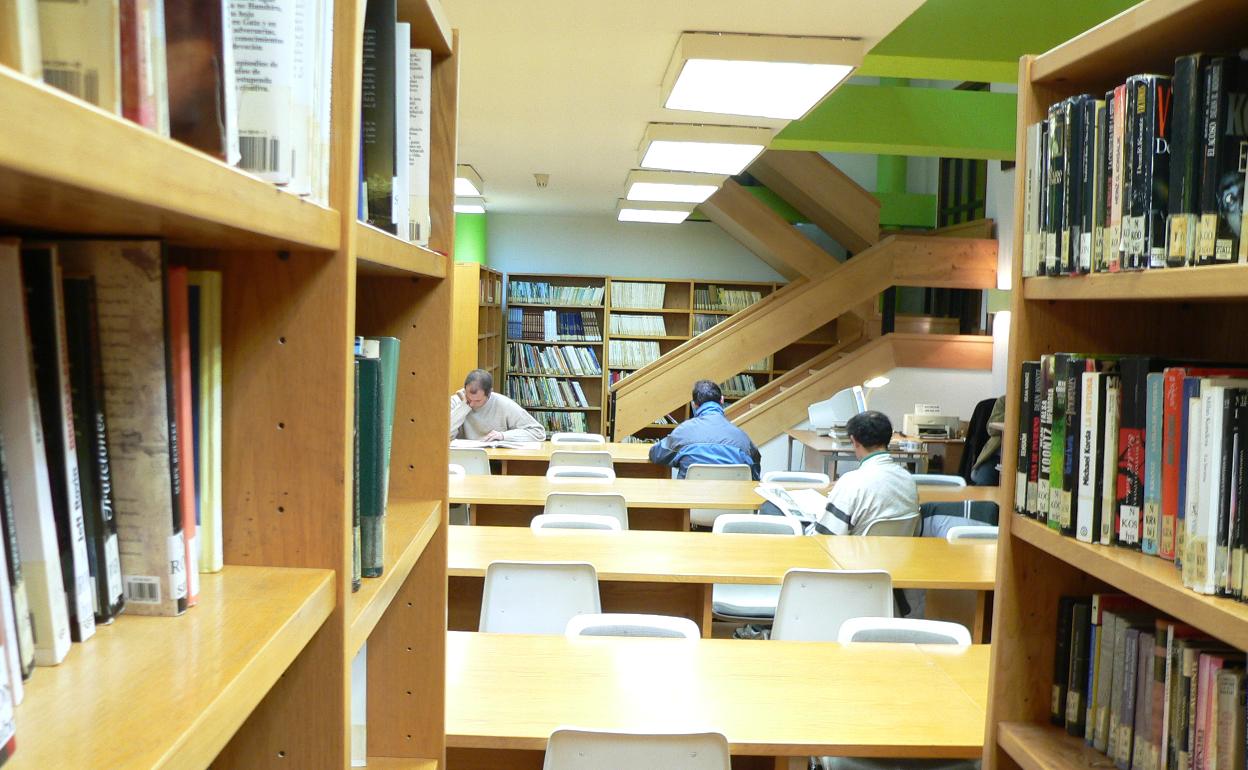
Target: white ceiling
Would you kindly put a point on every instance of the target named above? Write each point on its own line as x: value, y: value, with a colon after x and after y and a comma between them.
x: 566, y: 87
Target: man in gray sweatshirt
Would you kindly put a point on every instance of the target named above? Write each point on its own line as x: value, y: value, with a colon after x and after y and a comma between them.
x: 480, y: 414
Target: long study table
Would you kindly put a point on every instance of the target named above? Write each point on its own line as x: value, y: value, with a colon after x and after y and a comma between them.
x: 631, y: 460
x: 506, y: 693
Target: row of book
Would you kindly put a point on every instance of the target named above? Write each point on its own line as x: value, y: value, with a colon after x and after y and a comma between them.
x: 546, y: 391
x: 544, y: 293
x: 703, y: 322
x: 553, y: 325
x: 376, y: 373
x: 641, y: 325
x: 1148, y: 692
x: 638, y: 296
x: 718, y: 298
x: 632, y: 354
x: 395, y: 125
x: 1141, y: 452
x: 738, y: 386
x: 563, y: 360
x: 490, y: 290
x: 256, y: 93
x: 1149, y: 176
x: 562, y: 422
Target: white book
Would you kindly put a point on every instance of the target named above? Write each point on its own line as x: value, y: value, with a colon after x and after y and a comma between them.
x: 1087, y: 470
x: 264, y: 58
x: 1195, y: 430
x: 359, y: 708
x: 229, y: 89
x: 303, y: 80
x: 400, y: 202
x: 81, y: 50
x: 1210, y: 560
x: 1109, y: 456
x: 12, y: 657
x: 420, y: 138
x: 580, y: 394
x: 28, y: 471
x: 322, y: 83
x: 1031, y: 199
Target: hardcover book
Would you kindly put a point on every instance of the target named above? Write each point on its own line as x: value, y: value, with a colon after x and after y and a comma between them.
x: 420, y: 81
x: 25, y: 635
x: 377, y: 120
x: 181, y: 436
x: 203, y: 96
x: 1057, y: 227
x: 81, y: 51
x: 205, y: 286
x: 1186, y: 152
x: 264, y: 72
x: 1225, y: 153
x: 372, y: 484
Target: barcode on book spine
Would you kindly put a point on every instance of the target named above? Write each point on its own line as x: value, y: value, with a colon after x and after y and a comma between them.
x: 413, y: 232
x: 84, y: 85
x: 143, y: 589
x: 259, y: 153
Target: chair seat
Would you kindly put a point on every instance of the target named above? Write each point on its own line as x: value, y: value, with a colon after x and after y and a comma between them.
x: 744, y: 600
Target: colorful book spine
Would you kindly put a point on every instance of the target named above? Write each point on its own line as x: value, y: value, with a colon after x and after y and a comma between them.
x: 207, y: 364
x: 1153, y: 533
x: 372, y: 448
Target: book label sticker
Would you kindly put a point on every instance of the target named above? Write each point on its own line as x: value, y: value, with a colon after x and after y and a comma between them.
x: 1129, y: 528
x: 177, y: 566
x: 1222, y: 250
x: 113, y: 574
x: 142, y: 589
x: 1151, y: 514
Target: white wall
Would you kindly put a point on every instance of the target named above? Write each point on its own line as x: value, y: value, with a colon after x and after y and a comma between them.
x: 600, y: 245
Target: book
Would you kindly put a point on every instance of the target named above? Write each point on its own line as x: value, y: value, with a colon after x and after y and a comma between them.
x: 1186, y: 150
x: 21, y: 426
x: 45, y: 309
x: 86, y: 377
x: 1080, y: 632
x: 1229, y: 724
x: 19, y: 37
x: 1148, y: 104
x: 420, y: 138
x: 79, y: 43
x: 387, y: 349
x: 356, y: 565
x: 1047, y: 380
x: 18, y: 656
x: 377, y: 120
x: 263, y: 38
x: 203, y: 97
x: 15, y: 670
x: 372, y: 449
x: 1091, y: 449
x: 1109, y: 614
x: 1031, y: 202
x: 1061, y: 659
x: 1152, y: 531
x: 1033, y: 451
x: 1124, y: 705
x: 1109, y: 460
x: 1057, y: 231
x: 1222, y: 172
x: 25, y: 635
x: 1131, y: 427
x: 144, y: 95
x: 401, y: 192
x: 464, y: 443
x: 129, y: 282
x: 181, y: 438
x: 1118, y: 185
x: 1141, y: 729
x: 206, y: 285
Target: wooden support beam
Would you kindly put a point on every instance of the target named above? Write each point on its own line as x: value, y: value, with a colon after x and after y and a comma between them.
x: 761, y: 230
x: 824, y: 194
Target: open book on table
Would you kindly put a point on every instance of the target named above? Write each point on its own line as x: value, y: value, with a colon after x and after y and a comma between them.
x: 466, y: 443
x: 805, y: 504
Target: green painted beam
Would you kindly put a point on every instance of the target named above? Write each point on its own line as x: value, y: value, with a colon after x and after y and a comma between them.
x: 981, y: 40
x: 890, y: 120
x: 470, y: 238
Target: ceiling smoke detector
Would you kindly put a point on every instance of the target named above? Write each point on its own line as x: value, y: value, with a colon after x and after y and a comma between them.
x: 543, y: 181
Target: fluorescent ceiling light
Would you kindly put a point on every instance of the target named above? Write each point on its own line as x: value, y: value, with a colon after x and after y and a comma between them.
x: 876, y: 382
x: 671, y: 186
x: 469, y: 205
x: 650, y: 211
x: 703, y: 149
x: 771, y: 76
x: 468, y: 182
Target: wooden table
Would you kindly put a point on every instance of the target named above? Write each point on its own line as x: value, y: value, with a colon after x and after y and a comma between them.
x: 833, y: 451
x: 652, y: 503
x: 959, y: 577
x: 631, y: 460
x: 506, y: 693
x: 666, y: 573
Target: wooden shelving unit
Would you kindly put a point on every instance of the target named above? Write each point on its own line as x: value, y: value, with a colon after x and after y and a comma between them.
x: 1184, y: 313
x: 257, y: 675
x: 477, y: 330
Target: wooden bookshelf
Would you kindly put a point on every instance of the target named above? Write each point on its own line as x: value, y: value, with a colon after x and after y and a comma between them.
x: 1184, y: 313
x: 257, y: 675
x: 477, y: 328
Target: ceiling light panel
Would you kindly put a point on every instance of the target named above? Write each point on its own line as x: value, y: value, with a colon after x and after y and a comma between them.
x: 671, y: 186
x: 652, y: 211
x: 468, y: 182
x: 469, y: 205
x: 704, y: 149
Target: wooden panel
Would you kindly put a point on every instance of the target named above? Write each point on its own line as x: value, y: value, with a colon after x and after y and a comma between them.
x: 824, y: 194
x: 943, y: 351
x: 1048, y: 747
x: 465, y: 316
x: 402, y: 763
x: 979, y: 228
x: 1191, y: 283
x: 430, y: 27
x: 761, y: 230
x: 444, y: 135
x: 949, y: 263
x: 99, y: 174
x: 486, y: 759
x: 380, y: 253
x: 628, y: 454
x: 134, y: 704
x: 639, y: 493
x: 919, y: 562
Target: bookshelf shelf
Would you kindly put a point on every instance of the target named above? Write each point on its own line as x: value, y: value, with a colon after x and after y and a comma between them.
x: 554, y: 306
x: 410, y: 525
x: 564, y: 376
x: 646, y: 337
x: 1214, y: 282
x: 563, y: 408
x: 665, y: 310
x: 94, y: 174
x: 380, y: 253
x: 1048, y: 747
x: 430, y: 27
x: 134, y: 679
x: 401, y: 763
x: 489, y: 336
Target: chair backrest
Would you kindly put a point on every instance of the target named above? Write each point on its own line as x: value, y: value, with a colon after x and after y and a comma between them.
x: 525, y: 597
x: 902, y: 526
x: 796, y: 479
x: 595, y: 503
x: 904, y: 631
x: 736, y: 472
x: 573, y: 749
x: 455, y: 469
x: 580, y: 472
x: 574, y: 521
x: 564, y: 457
x: 628, y: 624
x: 938, y: 480
x: 970, y: 532
x: 815, y: 602
x: 753, y: 524
x: 475, y: 462
x: 566, y: 439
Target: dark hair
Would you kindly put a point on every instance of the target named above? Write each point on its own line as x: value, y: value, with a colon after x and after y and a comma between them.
x: 705, y: 390
x: 871, y: 429
x: 482, y: 379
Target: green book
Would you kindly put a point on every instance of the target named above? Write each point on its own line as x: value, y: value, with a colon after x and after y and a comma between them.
x: 1058, y: 434
x: 387, y: 348
x: 355, y: 481
x: 372, y: 507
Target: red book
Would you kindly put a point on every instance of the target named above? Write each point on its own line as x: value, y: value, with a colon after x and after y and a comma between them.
x: 177, y: 313
x: 137, y: 91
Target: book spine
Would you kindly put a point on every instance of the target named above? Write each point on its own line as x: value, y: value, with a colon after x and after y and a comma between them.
x: 17, y: 666
x: 1222, y: 170
x: 1109, y: 459
x: 1027, y: 382
x: 1120, y: 187
x: 25, y: 636
x: 1126, y: 716
x: 1096, y: 202
x: 1134, y: 372
x: 1142, y: 727
x: 421, y: 85
x: 1077, y: 678
x: 1033, y: 459
x: 372, y: 510
x: 177, y: 335
x: 1172, y: 391
x: 1030, y: 201
x: 208, y: 432
x: 1158, y: 149
x: 1188, y: 89
x: 1192, y: 477
x: 1070, y: 452
x: 1239, y: 535
x: 356, y: 564
x: 1056, y: 190
x: 1153, y: 533
x: 1061, y: 660
x: 1229, y: 711
x: 377, y: 113
x: 1088, y: 521
x: 1076, y: 156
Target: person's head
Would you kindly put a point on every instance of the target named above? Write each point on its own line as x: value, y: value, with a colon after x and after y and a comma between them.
x: 478, y: 386
x: 869, y: 432
x: 704, y: 391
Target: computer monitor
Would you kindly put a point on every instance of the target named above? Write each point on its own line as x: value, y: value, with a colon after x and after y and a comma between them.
x: 836, y: 411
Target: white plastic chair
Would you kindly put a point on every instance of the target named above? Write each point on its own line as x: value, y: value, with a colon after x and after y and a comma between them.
x: 746, y: 602
x: 815, y: 602
x: 580, y: 473
x: 573, y: 439
x: 970, y: 533
x: 903, y: 631
x: 902, y: 526
x: 563, y: 457
x: 938, y: 480
x: 589, y: 503
x: 569, y: 748
x: 796, y: 479
x: 574, y: 521
x: 705, y: 517
x: 537, y: 597
x: 475, y: 462
x: 455, y: 469
x: 629, y: 624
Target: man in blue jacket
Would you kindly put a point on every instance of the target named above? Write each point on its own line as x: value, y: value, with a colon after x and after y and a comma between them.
x: 708, y: 437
